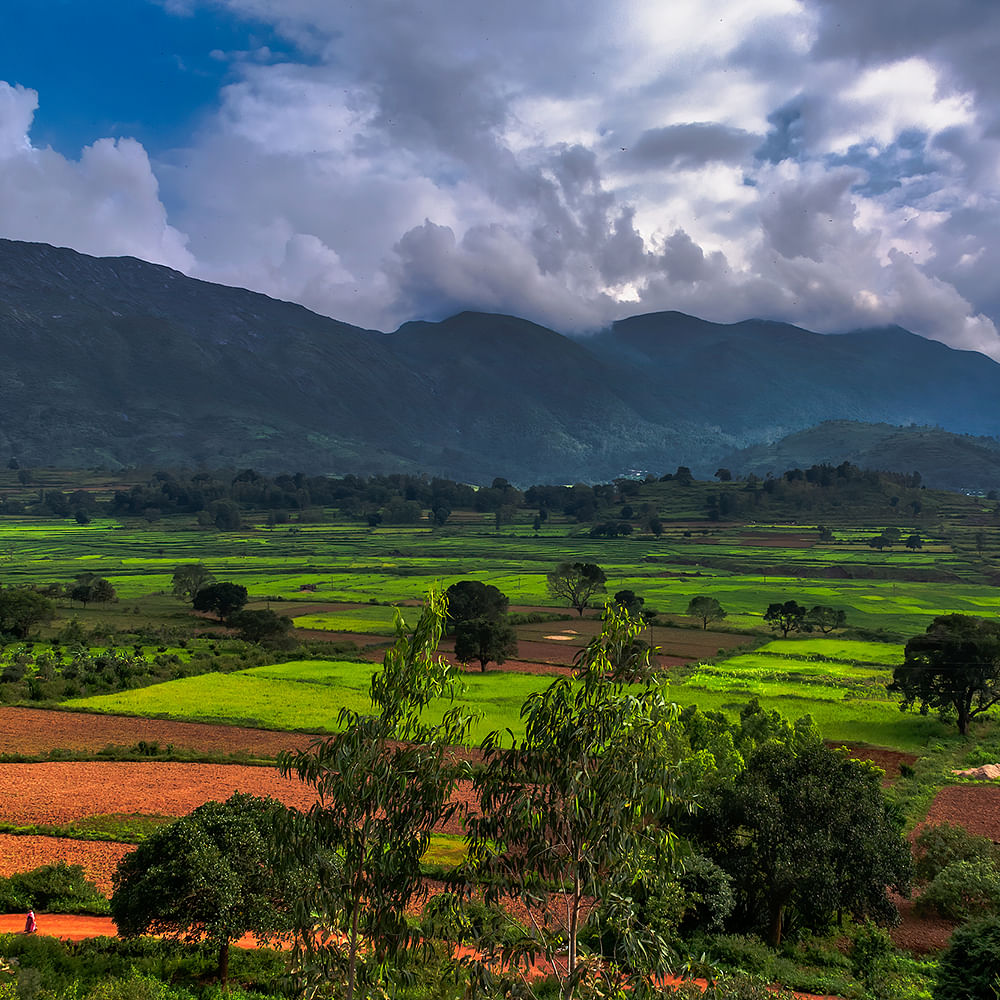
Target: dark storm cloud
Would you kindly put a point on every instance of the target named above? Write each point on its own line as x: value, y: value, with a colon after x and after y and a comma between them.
x: 690, y: 145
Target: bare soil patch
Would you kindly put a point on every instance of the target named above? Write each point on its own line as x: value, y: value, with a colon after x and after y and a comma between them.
x: 889, y: 760
x: 98, y: 859
x: 33, y: 731
x: 976, y: 807
x: 919, y: 934
x: 54, y: 793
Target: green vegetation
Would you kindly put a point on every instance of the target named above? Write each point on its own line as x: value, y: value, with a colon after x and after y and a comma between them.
x: 344, y: 557
x: 305, y: 696
x: 58, y: 888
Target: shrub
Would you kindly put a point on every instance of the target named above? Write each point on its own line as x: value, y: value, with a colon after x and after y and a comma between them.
x: 58, y: 888
x: 871, y: 954
x: 710, y: 895
x: 938, y: 846
x: 450, y: 918
x: 962, y: 890
x: 969, y: 967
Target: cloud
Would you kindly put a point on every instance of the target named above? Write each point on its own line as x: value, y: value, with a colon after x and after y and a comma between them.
x: 691, y: 145
x: 106, y: 203
x: 818, y: 161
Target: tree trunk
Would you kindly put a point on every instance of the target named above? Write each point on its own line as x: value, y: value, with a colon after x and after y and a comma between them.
x: 569, y: 983
x: 224, y: 963
x: 353, y: 949
x: 777, y: 912
x: 963, y: 719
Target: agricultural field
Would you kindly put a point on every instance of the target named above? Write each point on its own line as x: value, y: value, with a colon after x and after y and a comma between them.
x: 147, y: 685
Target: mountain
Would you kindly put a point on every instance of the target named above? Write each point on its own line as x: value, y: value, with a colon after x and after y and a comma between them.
x: 945, y: 460
x: 113, y: 361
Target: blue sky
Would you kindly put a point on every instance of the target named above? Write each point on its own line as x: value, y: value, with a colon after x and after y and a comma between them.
x: 827, y: 162
x: 123, y: 67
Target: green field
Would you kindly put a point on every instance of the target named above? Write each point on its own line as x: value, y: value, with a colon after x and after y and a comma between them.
x: 373, y: 620
x: 308, y: 696
x: 847, y: 701
x: 348, y: 562
x: 344, y: 576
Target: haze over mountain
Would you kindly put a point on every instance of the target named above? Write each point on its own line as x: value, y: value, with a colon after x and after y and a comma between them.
x: 113, y: 361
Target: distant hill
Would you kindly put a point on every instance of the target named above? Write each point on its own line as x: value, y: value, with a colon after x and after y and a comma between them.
x: 944, y: 460
x: 116, y: 362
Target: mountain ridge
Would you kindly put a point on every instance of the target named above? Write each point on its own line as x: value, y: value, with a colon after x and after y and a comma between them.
x: 114, y: 361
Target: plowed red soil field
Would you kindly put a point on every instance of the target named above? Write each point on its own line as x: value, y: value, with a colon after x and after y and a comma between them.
x: 37, y: 731
x: 60, y: 792
x: 976, y: 807
x: 97, y: 858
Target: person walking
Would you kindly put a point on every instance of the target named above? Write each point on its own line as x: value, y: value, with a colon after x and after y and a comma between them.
x: 29, y: 924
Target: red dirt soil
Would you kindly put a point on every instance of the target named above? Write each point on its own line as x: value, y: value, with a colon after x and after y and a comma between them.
x: 61, y: 792
x: 889, y: 760
x: 97, y: 858
x: 976, y: 807
x: 33, y: 731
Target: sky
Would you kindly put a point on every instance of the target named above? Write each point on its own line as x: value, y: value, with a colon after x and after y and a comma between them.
x: 830, y: 163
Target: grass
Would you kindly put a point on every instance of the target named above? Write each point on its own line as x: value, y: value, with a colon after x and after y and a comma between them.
x: 445, y: 850
x: 847, y: 702
x: 840, y: 683
x: 125, y: 828
x: 306, y: 695
x: 373, y: 620
x: 838, y: 650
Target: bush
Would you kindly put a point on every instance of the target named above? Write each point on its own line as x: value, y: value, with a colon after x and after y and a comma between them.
x: 710, y: 895
x: 741, y: 951
x: 450, y: 918
x: 58, y: 888
x: 962, y: 890
x: 938, y: 846
x: 969, y: 967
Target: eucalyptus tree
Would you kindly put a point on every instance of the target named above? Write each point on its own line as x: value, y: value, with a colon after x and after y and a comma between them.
x: 384, y: 782
x: 578, y: 809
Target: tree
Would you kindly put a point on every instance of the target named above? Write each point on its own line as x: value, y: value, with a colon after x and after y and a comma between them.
x: 576, y: 583
x: 824, y: 619
x: 630, y: 601
x: 969, y: 968
x: 955, y: 666
x: 211, y: 874
x: 579, y: 807
x: 478, y: 614
x: 787, y: 616
x: 226, y: 515
x: 486, y: 640
x: 21, y: 609
x: 189, y: 578
x: 806, y: 833
x: 723, y: 475
x: 223, y: 598
x: 384, y: 782
x: 708, y: 609
x: 914, y: 541
x: 471, y: 599
x: 260, y: 626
